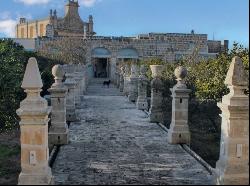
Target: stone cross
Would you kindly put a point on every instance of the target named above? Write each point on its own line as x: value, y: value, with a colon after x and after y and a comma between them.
x: 34, y: 113
x: 133, y: 85
x: 58, y: 132
x: 142, y: 103
x: 179, y: 130
x: 156, y: 112
x: 232, y: 168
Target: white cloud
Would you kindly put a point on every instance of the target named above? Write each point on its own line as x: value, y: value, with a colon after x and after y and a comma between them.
x: 33, y: 2
x: 88, y: 3
x: 7, y: 27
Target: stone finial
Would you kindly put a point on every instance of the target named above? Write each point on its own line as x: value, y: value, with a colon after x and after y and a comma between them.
x: 156, y: 70
x: 236, y: 75
x: 58, y: 73
x: 32, y: 78
x: 180, y: 74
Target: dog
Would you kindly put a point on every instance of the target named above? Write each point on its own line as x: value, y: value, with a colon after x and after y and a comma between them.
x: 106, y: 83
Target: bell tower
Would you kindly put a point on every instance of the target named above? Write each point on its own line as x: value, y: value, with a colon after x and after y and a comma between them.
x: 71, y: 8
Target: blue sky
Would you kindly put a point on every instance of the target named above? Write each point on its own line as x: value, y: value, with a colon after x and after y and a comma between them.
x: 221, y: 19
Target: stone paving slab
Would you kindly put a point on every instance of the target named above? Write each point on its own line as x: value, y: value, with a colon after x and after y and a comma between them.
x: 114, y: 144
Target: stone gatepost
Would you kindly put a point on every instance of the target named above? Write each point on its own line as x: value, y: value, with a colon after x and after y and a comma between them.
x: 122, y: 79
x: 58, y: 132
x: 126, y: 80
x: 133, y: 85
x: 232, y: 168
x: 142, y: 103
x: 179, y: 131
x: 34, y: 113
x: 156, y: 112
x: 70, y: 83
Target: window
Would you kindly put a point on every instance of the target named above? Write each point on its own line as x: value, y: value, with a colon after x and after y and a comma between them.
x: 31, y: 32
x: 41, y: 29
x: 22, y: 32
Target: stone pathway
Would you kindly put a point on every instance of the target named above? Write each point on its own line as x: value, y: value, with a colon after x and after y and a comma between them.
x: 114, y: 143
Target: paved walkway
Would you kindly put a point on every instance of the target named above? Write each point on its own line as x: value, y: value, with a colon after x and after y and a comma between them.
x: 114, y: 143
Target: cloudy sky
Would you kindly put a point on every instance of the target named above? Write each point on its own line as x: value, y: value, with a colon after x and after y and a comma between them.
x: 220, y: 19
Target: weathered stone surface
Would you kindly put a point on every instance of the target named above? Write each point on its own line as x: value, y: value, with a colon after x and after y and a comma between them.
x: 232, y: 167
x: 156, y: 112
x: 121, y: 146
x: 133, y: 85
x: 142, y: 103
x: 58, y: 132
x: 179, y: 130
x: 34, y: 113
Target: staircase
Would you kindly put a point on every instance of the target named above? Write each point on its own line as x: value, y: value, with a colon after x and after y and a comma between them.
x: 96, y: 88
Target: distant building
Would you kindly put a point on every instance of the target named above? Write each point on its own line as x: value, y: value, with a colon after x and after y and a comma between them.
x: 104, y: 53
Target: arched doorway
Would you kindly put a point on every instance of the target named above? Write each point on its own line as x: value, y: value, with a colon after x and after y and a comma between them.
x: 101, y: 62
x: 127, y: 54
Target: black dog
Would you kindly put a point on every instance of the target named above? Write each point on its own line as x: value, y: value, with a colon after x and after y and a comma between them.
x: 106, y: 83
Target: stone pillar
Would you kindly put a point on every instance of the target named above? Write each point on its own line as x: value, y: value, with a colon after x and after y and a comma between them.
x: 232, y: 168
x: 179, y: 130
x: 122, y: 79
x: 85, y: 79
x: 34, y: 113
x: 112, y: 69
x: 118, y: 75
x: 156, y: 113
x: 58, y: 132
x: 142, y: 103
x: 77, y: 87
x: 70, y: 83
x: 126, y: 80
x: 133, y: 85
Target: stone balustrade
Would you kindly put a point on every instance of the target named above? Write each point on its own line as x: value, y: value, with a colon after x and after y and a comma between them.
x: 34, y: 112
x: 232, y: 168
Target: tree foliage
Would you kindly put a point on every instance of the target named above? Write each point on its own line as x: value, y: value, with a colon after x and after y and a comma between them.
x: 13, y: 60
x: 205, y: 77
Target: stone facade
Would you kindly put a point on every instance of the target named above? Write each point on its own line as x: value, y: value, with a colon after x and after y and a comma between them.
x: 70, y: 25
x: 106, y: 53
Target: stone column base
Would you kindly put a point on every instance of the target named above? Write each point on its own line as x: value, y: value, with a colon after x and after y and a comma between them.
x: 178, y: 137
x: 142, y: 104
x: 36, y: 179
x: 58, y: 138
